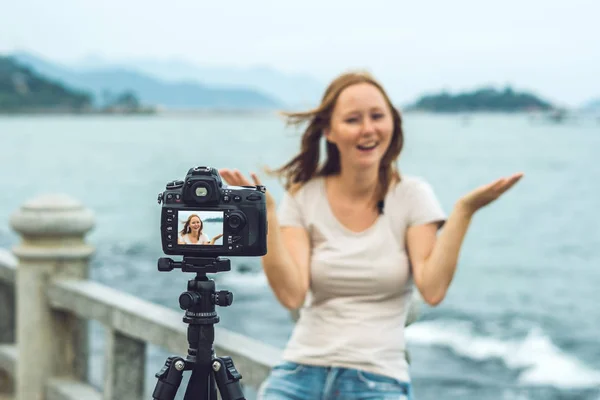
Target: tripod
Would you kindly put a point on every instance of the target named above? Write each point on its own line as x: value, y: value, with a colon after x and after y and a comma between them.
x: 199, y: 304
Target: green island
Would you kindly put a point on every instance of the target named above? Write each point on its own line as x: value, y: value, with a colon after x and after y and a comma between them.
x: 481, y: 100
x: 24, y: 91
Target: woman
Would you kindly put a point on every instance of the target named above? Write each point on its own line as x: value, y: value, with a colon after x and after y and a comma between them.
x: 192, y: 232
x: 350, y: 241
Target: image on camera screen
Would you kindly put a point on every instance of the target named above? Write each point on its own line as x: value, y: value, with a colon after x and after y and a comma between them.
x: 204, y: 228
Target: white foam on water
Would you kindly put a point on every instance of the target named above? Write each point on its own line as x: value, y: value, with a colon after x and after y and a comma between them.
x: 543, y: 362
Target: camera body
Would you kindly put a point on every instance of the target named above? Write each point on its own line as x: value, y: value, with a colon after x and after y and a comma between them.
x: 202, y: 217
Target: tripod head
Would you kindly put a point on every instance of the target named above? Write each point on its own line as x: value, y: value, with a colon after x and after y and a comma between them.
x: 200, y: 299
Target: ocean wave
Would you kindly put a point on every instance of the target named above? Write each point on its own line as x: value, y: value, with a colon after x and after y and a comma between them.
x: 541, y: 361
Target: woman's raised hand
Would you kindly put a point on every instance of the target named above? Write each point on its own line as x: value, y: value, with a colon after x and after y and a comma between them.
x: 484, y: 195
x: 234, y: 177
x: 214, y: 239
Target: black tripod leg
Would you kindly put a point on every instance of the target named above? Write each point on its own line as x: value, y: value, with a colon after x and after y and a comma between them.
x: 169, y: 379
x: 228, y: 379
x: 201, y: 385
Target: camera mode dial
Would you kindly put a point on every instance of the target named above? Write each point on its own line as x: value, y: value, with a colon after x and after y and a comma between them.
x: 174, y: 184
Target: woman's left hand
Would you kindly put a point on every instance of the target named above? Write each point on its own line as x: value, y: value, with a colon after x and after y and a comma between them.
x: 484, y: 195
x: 220, y: 235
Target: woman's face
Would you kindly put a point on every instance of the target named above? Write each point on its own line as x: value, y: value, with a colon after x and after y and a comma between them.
x: 195, y: 224
x: 361, y: 126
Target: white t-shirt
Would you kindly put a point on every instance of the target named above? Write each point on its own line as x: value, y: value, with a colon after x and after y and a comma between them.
x: 360, y: 283
x: 186, y: 239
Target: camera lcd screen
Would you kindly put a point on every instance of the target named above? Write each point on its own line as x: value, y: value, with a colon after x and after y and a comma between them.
x: 203, y: 228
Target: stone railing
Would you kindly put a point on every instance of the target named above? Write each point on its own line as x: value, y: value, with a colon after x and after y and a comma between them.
x: 46, y: 300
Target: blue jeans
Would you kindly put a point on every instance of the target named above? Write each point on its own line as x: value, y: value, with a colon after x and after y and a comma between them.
x: 292, y: 381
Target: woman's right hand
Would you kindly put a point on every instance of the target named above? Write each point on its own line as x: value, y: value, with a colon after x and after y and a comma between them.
x: 235, y: 178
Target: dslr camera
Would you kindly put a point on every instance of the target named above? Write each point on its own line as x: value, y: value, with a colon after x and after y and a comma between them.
x: 203, y: 217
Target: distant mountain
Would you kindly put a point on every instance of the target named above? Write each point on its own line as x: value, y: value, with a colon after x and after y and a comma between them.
x: 104, y: 83
x: 295, y: 90
x: 485, y: 99
x: 593, y: 105
x: 23, y: 90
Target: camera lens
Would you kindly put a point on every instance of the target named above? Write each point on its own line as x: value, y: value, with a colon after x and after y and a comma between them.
x: 236, y: 221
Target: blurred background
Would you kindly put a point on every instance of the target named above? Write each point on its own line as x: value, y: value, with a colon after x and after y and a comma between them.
x: 107, y: 101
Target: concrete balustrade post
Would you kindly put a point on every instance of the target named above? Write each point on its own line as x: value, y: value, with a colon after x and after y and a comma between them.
x: 7, y: 316
x: 50, y: 343
x: 7, y: 300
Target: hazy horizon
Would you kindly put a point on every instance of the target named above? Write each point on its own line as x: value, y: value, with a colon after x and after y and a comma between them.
x: 546, y: 48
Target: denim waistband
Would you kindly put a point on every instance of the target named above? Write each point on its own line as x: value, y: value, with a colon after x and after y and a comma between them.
x: 290, y: 380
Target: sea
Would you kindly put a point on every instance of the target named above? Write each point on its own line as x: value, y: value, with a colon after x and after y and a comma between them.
x: 522, y: 317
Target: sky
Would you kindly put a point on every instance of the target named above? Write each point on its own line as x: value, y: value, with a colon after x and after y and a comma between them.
x: 551, y: 48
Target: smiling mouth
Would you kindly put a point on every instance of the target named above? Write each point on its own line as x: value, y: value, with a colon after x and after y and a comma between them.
x: 368, y: 146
